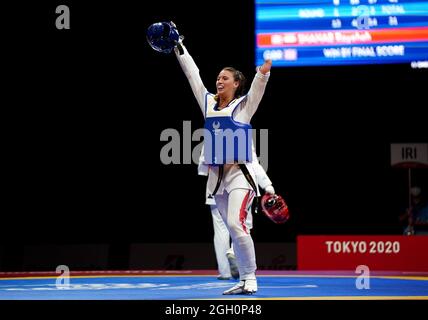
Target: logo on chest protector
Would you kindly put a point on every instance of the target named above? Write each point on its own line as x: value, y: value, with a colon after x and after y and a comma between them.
x: 216, y: 126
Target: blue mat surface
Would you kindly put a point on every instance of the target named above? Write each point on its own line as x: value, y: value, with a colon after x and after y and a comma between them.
x: 208, y: 287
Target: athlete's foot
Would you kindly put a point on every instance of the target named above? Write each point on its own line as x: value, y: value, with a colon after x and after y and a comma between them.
x: 248, y: 286
x: 233, y: 265
x: 220, y: 277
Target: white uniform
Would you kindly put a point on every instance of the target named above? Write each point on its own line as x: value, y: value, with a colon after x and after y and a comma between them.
x: 235, y: 194
x: 222, y: 245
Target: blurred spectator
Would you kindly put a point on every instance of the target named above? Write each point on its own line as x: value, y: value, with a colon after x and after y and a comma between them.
x: 417, y: 214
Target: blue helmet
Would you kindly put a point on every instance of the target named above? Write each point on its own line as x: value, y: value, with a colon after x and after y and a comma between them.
x: 163, y: 36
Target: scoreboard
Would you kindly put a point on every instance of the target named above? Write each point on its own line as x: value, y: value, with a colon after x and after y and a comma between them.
x: 341, y: 32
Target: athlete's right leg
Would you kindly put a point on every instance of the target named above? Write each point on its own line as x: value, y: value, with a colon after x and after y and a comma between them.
x: 221, y: 244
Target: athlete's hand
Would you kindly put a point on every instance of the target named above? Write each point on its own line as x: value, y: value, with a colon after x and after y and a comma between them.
x: 178, y: 44
x: 265, y: 68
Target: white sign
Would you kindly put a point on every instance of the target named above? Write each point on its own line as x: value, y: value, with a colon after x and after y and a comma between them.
x: 409, y: 155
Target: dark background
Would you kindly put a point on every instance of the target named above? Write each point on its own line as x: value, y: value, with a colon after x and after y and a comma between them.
x: 84, y: 109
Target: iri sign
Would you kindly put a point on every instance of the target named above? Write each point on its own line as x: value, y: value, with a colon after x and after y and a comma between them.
x: 410, y: 155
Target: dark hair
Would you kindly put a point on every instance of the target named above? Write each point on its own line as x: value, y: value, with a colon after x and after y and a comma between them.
x: 237, y: 76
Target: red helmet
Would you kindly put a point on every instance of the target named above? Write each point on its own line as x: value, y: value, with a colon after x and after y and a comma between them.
x: 275, y: 208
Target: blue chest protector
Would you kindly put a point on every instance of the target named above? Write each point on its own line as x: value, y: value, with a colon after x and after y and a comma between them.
x: 226, y: 141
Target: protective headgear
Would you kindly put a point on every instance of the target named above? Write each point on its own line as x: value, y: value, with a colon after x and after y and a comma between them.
x: 162, y: 36
x: 275, y: 208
